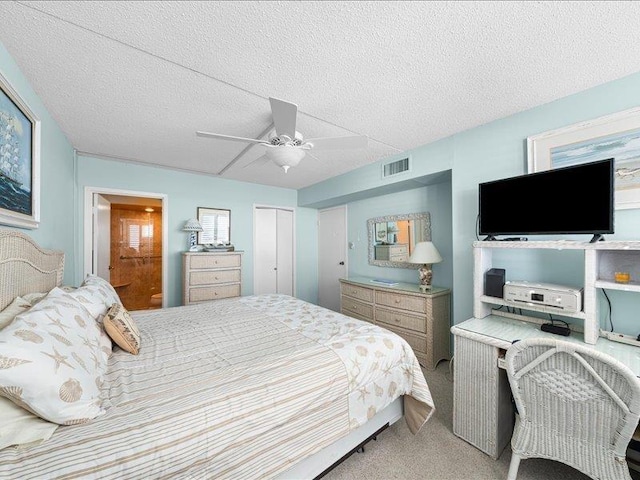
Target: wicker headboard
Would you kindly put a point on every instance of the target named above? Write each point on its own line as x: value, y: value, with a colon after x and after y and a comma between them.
x: 25, y: 267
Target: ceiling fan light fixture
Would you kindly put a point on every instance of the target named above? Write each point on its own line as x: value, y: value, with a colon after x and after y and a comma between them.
x: 285, y: 156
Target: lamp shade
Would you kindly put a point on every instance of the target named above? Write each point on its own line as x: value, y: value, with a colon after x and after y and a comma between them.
x: 425, y: 253
x: 192, y: 225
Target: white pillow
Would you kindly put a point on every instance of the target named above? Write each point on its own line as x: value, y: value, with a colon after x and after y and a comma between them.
x: 19, y: 305
x: 97, y: 295
x: 52, y: 360
x: 20, y: 427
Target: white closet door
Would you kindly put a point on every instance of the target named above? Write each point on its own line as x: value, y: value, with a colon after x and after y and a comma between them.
x: 264, y: 258
x: 284, y: 251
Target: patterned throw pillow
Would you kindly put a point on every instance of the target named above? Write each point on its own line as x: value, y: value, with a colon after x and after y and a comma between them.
x: 53, y: 359
x: 122, y: 329
x: 18, y: 306
x: 97, y: 295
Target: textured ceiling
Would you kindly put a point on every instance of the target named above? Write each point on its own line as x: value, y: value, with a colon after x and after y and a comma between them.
x: 135, y: 80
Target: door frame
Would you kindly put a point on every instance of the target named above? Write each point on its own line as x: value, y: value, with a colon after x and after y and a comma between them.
x: 257, y: 206
x: 88, y: 229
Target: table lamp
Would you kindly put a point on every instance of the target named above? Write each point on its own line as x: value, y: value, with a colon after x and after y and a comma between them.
x: 192, y: 226
x: 426, y: 254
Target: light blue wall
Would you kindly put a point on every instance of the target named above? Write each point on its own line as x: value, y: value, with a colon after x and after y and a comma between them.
x: 57, y: 187
x: 186, y: 192
x: 489, y: 152
x: 435, y: 199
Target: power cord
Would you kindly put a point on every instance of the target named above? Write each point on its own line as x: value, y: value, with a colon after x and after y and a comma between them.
x: 610, y: 314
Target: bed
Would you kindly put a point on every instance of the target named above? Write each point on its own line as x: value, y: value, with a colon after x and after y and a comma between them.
x: 264, y: 386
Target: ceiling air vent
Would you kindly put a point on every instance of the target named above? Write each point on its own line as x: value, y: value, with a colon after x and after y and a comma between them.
x: 394, y: 168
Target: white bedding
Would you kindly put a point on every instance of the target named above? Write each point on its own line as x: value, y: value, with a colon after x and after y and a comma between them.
x: 237, y: 388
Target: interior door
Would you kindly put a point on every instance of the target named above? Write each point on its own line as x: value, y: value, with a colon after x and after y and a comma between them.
x: 101, y: 237
x: 265, y: 260
x: 284, y: 252
x: 273, y: 251
x: 332, y: 255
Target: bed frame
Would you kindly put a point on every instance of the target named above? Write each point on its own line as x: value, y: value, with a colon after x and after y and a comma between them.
x: 25, y: 268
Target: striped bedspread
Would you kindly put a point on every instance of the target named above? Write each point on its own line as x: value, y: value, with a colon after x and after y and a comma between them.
x: 236, y: 388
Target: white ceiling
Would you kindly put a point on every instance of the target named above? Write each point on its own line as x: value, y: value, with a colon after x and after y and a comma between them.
x: 135, y: 80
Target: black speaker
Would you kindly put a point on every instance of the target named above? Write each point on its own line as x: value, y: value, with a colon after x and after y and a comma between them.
x: 494, y: 282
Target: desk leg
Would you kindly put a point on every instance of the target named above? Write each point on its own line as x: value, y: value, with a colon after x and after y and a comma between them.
x: 482, y: 409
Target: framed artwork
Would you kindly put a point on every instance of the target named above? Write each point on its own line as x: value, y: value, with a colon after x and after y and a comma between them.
x: 216, y: 226
x: 19, y: 160
x: 612, y: 136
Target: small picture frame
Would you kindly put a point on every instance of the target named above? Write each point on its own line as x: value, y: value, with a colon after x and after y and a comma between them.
x: 216, y: 226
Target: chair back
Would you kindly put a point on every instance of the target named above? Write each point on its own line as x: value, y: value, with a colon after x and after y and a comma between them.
x: 572, y: 391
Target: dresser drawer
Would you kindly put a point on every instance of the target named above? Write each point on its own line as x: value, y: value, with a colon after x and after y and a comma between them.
x: 201, y: 294
x: 418, y: 343
x: 398, y: 300
x: 214, y: 261
x: 351, y: 314
x: 361, y: 293
x: 363, y: 310
x: 214, y: 276
x: 397, y: 319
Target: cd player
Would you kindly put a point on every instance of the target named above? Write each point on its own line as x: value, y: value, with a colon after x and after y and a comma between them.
x: 559, y: 297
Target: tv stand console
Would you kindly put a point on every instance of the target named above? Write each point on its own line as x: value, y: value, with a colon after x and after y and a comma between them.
x: 601, y: 261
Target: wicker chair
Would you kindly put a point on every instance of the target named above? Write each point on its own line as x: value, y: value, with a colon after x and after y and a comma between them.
x: 575, y: 405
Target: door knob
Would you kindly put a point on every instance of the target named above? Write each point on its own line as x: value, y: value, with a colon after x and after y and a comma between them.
x: 341, y: 263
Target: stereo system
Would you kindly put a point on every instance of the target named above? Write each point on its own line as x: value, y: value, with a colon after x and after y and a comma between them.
x: 559, y: 297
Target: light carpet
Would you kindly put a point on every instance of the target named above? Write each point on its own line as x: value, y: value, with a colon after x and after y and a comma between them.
x: 436, y: 453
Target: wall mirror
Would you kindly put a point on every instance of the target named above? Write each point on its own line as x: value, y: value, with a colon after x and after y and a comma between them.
x: 393, y: 238
x: 216, y: 226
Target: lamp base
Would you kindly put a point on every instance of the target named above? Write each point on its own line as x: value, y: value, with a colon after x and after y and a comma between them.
x: 426, y: 275
x: 193, y: 245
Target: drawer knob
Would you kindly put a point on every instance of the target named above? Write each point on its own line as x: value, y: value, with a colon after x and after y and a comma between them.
x: 397, y: 320
x: 355, y: 307
x: 397, y: 300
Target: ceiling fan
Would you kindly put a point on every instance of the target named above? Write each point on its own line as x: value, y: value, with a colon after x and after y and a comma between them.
x: 287, y: 147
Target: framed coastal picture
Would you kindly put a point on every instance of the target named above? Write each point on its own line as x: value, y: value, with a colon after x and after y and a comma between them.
x: 19, y: 160
x: 614, y: 136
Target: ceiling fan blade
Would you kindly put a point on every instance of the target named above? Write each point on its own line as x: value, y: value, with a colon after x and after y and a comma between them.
x: 229, y: 137
x: 258, y: 161
x: 284, y: 117
x: 338, y: 143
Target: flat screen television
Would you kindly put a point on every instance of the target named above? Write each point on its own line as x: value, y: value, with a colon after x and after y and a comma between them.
x: 570, y: 200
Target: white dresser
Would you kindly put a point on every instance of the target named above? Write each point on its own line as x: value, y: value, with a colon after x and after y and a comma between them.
x: 211, y: 276
x: 422, y: 319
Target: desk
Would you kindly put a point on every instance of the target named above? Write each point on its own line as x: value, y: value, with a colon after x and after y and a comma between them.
x: 482, y: 408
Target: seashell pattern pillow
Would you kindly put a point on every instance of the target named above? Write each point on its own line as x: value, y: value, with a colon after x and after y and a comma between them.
x: 52, y: 360
x: 97, y: 295
x: 122, y: 329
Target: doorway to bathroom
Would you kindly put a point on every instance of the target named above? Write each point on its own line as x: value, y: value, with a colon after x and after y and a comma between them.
x: 125, y: 238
